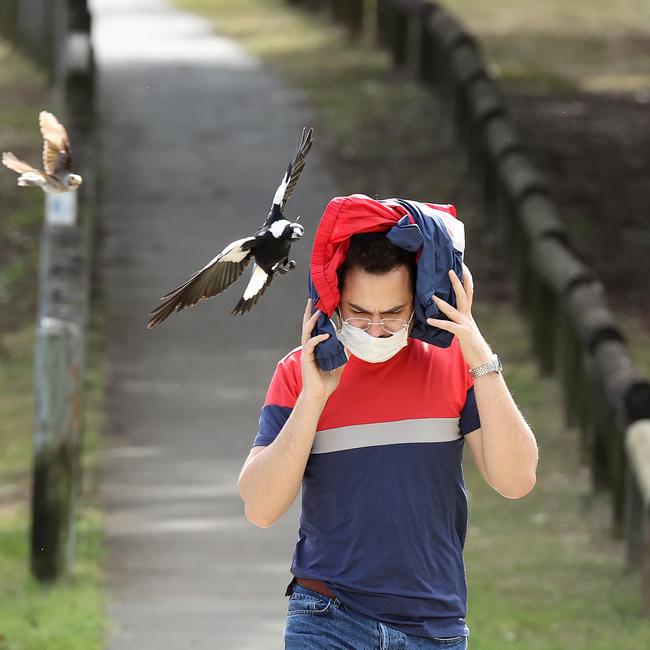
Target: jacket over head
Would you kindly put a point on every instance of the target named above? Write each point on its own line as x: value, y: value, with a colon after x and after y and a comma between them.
x: 430, y: 230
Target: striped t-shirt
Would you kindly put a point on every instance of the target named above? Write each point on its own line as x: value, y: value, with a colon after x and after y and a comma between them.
x: 384, y: 506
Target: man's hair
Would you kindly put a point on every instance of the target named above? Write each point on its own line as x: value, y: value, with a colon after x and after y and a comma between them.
x: 374, y: 253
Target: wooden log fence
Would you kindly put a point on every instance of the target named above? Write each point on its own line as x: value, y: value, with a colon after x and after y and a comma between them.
x: 56, y: 35
x: 637, y: 501
x: 575, y: 335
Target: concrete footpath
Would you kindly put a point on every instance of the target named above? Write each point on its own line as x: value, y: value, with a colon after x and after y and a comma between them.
x: 195, y: 137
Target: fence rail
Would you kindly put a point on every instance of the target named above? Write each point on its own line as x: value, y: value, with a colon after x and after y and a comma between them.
x: 575, y: 336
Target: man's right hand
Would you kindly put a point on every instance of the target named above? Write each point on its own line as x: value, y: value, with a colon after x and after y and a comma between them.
x: 316, y: 383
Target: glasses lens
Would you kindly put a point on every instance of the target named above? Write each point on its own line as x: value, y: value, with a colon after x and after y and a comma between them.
x: 392, y: 325
x: 361, y: 323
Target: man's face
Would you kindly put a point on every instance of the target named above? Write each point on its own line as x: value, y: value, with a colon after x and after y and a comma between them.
x: 373, y: 296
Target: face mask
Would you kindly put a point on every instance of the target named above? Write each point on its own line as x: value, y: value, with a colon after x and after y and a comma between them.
x: 372, y: 348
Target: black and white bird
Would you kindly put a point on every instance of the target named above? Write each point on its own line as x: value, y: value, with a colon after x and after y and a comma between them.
x: 268, y: 249
x: 56, y: 176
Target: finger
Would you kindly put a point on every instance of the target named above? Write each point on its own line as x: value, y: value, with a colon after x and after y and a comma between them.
x: 312, y: 319
x: 308, y: 326
x: 307, y: 311
x: 446, y: 308
x: 450, y: 326
x: 469, y: 284
x: 459, y: 290
x: 308, y: 348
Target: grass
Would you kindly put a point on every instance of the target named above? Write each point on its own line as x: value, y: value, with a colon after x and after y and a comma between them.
x: 590, y: 45
x: 70, y: 614
x: 544, y: 572
x: 558, y: 46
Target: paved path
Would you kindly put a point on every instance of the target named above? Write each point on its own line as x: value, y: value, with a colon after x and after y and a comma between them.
x: 195, y: 135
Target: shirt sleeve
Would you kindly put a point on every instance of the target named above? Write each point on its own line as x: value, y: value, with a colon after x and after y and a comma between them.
x: 280, y: 399
x: 469, y: 418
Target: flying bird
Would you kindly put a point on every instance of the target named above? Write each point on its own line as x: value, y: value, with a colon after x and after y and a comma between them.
x: 268, y: 249
x: 56, y: 176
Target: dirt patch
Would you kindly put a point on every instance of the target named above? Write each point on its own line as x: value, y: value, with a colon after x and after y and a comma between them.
x: 594, y: 150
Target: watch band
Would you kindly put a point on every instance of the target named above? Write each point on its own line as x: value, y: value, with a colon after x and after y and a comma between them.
x: 493, y: 365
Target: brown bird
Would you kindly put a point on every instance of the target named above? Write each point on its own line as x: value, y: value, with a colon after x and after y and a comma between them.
x: 269, y: 248
x: 56, y: 176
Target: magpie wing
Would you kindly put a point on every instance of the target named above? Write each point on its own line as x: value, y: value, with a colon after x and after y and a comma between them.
x: 257, y: 285
x: 292, y: 174
x: 57, y: 159
x: 212, y: 279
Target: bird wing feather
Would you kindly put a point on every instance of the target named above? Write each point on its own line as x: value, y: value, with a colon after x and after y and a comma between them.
x: 294, y: 169
x: 17, y: 165
x: 57, y: 157
x: 298, y: 164
x: 212, y: 279
x: 257, y: 285
x: 289, y: 180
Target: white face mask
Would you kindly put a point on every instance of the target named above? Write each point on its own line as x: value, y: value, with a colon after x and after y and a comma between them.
x: 372, y: 348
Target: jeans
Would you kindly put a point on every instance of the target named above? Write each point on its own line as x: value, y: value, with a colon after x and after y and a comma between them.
x: 317, y: 622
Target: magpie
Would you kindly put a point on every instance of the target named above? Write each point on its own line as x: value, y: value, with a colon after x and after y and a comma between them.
x: 56, y: 176
x: 268, y: 249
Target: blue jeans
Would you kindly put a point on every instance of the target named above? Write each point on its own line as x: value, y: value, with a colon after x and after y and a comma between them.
x: 317, y: 622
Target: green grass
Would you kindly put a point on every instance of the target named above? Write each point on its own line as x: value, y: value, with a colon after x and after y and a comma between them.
x: 70, y: 614
x: 544, y: 572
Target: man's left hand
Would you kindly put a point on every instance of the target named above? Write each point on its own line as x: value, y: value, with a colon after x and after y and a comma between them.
x: 474, y: 347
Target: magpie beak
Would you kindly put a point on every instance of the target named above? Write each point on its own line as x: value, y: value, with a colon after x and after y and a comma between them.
x: 56, y: 176
x: 268, y: 248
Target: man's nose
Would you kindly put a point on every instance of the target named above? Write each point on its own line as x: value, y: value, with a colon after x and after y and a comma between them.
x: 376, y: 330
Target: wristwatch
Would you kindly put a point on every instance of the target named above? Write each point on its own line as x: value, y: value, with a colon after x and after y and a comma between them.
x: 493, y: 365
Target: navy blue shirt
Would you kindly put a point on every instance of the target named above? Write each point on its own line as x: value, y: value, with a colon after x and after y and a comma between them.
x: 384, y: 506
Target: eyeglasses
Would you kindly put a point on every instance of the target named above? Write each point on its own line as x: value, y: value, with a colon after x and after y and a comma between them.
x: 389, y: 325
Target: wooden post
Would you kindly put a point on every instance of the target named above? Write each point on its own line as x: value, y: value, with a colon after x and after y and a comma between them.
x: 58, y: 390
x: 56, y: 447
x: 538, y: 217
x: 557, y: 271
x: 497, y: 138
x: 586, y: 320
x: 624, y: 397
x: 483, y: 100
x: 64, y: 280
x: 637, y: 517
x: 8, y: 19
x: 354, y: 17
x: 516, y: 180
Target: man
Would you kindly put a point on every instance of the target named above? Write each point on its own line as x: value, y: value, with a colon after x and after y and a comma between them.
x: 377, y: 446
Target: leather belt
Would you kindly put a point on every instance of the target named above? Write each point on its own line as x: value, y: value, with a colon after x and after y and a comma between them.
x: 316, y: 585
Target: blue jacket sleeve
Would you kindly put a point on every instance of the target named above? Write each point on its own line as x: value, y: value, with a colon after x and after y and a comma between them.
x: 330, y: 353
